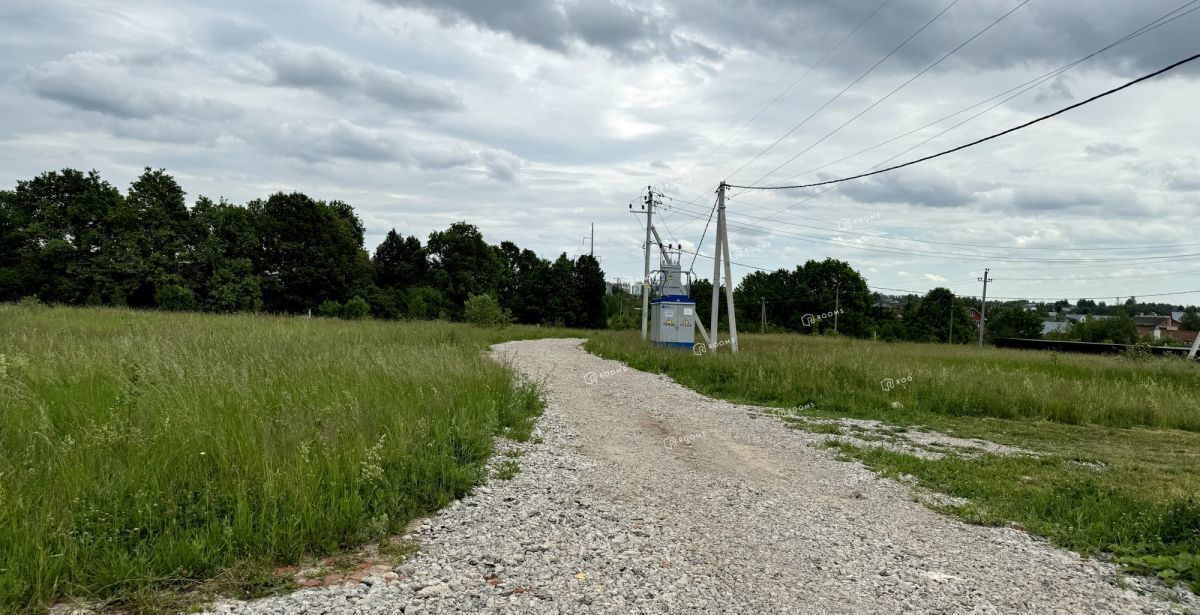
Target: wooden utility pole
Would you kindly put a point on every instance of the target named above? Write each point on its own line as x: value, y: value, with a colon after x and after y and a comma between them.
x: 763, y: 327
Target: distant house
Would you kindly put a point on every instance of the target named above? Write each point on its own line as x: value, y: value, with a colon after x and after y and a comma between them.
x: 1186, y: 337
x: 1054, y: 326
x: 1083, y: 317
x: 1178, y: 316
x: 1155, y: 325
x: 890, y: 304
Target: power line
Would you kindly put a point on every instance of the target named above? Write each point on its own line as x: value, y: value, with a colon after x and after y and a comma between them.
x: 789, y: 88
x: 1024, y: 87
x: 1153, y: 24
x: 894, y: 90
x: 778, y: 97
x: 1157, y: 247
x: 847, y: 88
x: 933, y: 254
x: 706, y: 224
x: 987, y: 138
x: 913, y: 292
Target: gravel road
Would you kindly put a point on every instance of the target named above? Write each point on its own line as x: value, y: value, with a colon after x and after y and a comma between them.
x: 645, y: 497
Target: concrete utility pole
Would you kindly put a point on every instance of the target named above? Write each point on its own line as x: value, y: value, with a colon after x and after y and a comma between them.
x: 763, y: 327
x: 983, y: 312
x: 837, y: 304
x: 721, y: 253
x: 592, y: 251
x: 950, y: 336
x: 716, y: 289
x: 646, y: 270
x: 1195, y: 347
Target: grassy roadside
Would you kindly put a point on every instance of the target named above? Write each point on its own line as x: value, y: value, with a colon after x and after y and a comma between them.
x: 148, y: 451
x: 1120, y: 473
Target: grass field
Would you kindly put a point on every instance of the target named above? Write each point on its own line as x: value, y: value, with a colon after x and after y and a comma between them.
x: 145, y: 452
x: 1120, y: 473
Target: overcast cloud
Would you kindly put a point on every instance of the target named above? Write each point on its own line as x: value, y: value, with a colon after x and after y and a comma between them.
x: 535, y: 118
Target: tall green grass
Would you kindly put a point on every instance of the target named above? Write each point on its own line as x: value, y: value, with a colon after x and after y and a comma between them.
x: 847, y: 376
x: 147, y: 450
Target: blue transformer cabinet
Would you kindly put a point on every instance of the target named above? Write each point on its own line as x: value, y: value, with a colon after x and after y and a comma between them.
x: 672, y: 312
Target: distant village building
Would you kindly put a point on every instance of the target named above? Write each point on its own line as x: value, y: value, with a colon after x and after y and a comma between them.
x: 1160, y: 326
x: 1055, y: 326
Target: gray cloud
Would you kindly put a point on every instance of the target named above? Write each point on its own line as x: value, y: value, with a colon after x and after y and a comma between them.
x: 541, y: 22
x: 331, y: 74
x: 102, y: 83
x: 96, y: 82
x: 626, y: 31
x: 1043, y: 33
x: 1186, y: 182
x: 917, y: 187
x: 325, y: 140
x: 314, y: 141
x: 1110, y: 201
x: 1108, y: 149
x: 501, y: 165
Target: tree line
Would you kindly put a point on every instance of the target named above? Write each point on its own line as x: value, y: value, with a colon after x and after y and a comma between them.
x: 71, y: 238
x: 821, y: 297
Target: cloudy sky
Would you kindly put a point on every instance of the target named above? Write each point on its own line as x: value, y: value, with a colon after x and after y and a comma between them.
x: 535, y: 118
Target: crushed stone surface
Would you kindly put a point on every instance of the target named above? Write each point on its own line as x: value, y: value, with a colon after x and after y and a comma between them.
x: 641, y: 496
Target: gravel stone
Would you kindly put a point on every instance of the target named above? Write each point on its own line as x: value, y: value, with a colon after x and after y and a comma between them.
x: 642, y: 496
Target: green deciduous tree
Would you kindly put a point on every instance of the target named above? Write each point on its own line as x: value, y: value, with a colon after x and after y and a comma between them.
x: 400, y: 262
x: 1191, y: 319
x: 153, y: 239
x: 1119, y: 329
x: 485, y: 310
x: 930, y: 320
x: 589, y: 290
x: 311, y: 251
x: 61, y: 237
x: 461, y: 264
x: 1013, y: 321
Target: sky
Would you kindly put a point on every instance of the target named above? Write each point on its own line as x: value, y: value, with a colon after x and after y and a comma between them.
x: 535, y: 119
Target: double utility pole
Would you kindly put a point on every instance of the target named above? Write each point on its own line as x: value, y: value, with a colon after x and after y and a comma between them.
x: 721, y: 254
x: 983, y: 308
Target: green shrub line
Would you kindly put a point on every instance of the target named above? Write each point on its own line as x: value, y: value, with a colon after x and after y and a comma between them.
x: 1120, y: 436
x: 151, y: 450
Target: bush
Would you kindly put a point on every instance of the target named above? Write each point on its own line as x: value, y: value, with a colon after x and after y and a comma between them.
x: 624, y: 322
x: 175, y: 298
x: 330, y: 309
x: 485, y: 310
x: 356, y: 308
